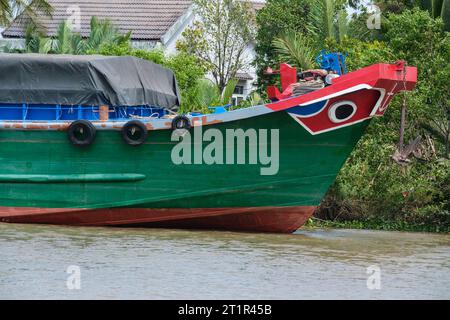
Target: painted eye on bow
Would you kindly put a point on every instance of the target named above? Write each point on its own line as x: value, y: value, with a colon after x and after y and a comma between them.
x: 342, y: 111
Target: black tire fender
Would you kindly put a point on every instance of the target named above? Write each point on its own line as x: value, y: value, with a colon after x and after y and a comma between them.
x: 134, y: 133
x: 81, y: 133
x: 181, y: 122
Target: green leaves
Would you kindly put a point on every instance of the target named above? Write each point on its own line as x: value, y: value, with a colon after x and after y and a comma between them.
x: 5, y: 12
x: 32, y: 10
x: 295, y: 31
x: 208, y: 93
x: 323, y: 17
x: 228, y: 91
x: 102, y: 33
x: 63, y: 42
x: 295, y: 49
x: 274, y: 20
x: 220, y: 38
x: 370, y: 184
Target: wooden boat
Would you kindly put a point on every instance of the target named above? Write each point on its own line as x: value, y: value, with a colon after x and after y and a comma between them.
x: 87, y: 141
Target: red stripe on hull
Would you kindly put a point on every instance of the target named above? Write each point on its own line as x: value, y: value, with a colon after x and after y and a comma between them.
x: 258, y: 219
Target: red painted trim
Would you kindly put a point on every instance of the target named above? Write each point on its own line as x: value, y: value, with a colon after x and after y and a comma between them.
x: 261, y: 219
x: 378, y: 76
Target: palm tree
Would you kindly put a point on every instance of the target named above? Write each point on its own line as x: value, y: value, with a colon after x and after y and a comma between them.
x: 32, y: 9
x: 68, y: 42
x: 103, y: 31
x: 328, y: 19
x: 296, y: 49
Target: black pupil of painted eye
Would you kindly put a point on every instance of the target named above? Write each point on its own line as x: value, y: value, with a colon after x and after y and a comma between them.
x: 344, y: 111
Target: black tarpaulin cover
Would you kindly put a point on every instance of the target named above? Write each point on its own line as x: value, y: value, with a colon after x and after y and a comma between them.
x: 85, y: 80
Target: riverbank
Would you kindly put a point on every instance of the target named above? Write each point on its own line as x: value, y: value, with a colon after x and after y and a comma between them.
x: 380, y: 224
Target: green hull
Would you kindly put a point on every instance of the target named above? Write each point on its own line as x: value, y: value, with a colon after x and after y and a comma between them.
x: 42, y: 169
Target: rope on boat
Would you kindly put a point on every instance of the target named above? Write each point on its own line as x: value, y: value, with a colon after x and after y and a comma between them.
x: 305, y: 87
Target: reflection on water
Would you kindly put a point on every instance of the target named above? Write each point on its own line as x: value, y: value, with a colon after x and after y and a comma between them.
x: 173, y: 264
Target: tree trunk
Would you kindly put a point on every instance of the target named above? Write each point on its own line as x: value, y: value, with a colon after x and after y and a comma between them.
x: 402, y: 128
x: 447, y: 141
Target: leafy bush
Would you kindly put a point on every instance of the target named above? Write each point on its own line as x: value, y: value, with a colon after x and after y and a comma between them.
x: 372, y: 188
x: 186, y: 68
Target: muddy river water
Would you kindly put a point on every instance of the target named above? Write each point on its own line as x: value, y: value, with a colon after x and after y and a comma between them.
x: 49, y: 262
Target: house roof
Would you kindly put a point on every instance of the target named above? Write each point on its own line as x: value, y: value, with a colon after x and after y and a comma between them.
x: 243, y: 76
x: 147, y: 19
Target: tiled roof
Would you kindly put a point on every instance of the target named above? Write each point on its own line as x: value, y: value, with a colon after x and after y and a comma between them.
x: 243, y: 76
x: 147, y: 19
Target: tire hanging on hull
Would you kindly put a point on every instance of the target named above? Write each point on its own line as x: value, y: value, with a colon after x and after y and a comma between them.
x: 81, y: 133
x: 134, y: 133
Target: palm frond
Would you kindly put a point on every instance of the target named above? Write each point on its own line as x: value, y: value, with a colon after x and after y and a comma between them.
x: 295, y: 49
x: 208, y: 93
x: 436, y: 7
x: 255, y: 99
x: 103, y: 32
x: 47, y: 45
x: 32, y: 10
x: 78, y: 44
x: 342, y: 24
x: 434, y: 131
x: 64, y: 37
x: 323, y: 15
x: 228, y: 91
x: 445, y: 14
x: 5, y: 12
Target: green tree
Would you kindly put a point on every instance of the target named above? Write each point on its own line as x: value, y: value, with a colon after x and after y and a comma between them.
x: 370, y: 186
x: 102, y: 32
x: 65, y: 42
x: 328, y: 19
x: 68, y: 42
x: 277, y: 18
x: 436, y: 8
x: 421, y: 40
x: 187, y: 69
x: 295, y: 49
x: 220, y: 37
x: 299, y: 43
x: 188, y: 73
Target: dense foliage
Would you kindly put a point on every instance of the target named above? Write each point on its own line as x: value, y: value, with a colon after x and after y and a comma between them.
x: 372, y: 190
x: 188, y: 71
x: 219, y: 37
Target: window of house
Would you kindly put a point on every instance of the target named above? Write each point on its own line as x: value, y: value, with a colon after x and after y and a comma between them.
x: 239, y: 90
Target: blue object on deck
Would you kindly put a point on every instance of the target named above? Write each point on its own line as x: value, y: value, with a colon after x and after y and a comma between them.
x: 332, y: 61
x: 220, y: 109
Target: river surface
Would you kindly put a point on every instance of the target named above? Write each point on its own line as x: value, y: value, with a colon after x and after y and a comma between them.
x: 48, y: 262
